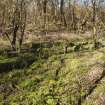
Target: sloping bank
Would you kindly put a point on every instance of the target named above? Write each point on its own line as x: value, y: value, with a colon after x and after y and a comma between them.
x: 21, y: 61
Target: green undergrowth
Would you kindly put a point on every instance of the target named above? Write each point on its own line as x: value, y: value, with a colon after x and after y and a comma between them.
x: 52, y: 77
x: 60, y: 79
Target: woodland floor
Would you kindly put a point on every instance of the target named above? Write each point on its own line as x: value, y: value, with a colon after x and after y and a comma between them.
x: 74, y: 78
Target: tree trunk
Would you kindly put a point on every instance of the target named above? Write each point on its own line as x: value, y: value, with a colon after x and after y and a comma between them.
x: 63, y: 19
x: 44, y: 13
x: 23, y: 22
x: 14, y: 37
x: 94, y: 22
x: 73, y: 17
